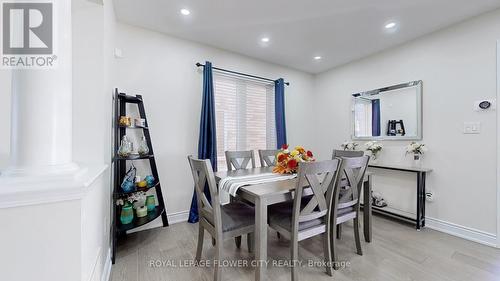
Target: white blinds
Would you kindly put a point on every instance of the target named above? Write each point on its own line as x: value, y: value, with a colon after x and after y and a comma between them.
x: 245, y: 117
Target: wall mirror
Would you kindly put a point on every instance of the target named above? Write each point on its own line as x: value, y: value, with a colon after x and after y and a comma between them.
x: 390, y: 113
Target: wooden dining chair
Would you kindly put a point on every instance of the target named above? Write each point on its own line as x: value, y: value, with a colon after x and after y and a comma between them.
x: 349, y: 154
x: 268, y: 157
x: 221, y: 221
x: 236, y: 160
x: 308, y: 216
x: 345, y: 204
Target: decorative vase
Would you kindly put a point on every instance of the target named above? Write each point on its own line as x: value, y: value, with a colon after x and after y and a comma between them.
x: 142, y: 211
x: 143, y: 147
x: 150, y: 203
x: 127, y: 214
x: 417, y: 159
x: 125, y: 147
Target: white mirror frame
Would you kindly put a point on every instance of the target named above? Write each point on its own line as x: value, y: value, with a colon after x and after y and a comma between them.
x: 419, y: 135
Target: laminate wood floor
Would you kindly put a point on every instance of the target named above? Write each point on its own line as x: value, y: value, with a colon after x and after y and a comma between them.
x: 397, y: 252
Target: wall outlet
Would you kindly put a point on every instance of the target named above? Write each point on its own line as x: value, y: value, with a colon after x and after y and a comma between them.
x: 429, y: 196
x: 472, y: 127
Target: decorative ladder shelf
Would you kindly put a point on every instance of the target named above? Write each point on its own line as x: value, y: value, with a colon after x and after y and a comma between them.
x: 119, y: 229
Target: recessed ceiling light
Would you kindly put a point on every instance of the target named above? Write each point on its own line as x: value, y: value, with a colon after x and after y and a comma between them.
x: 390, y: 25
x: 265, y: 39
x: 185, y: 12
x: 317, y: 58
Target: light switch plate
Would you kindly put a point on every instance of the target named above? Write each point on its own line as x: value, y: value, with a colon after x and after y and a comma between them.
x: 118, y: 53
x: 472, y: 127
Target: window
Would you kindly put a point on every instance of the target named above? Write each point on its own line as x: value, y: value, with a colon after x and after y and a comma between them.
x: 363, y: 118
x: 244, y: 117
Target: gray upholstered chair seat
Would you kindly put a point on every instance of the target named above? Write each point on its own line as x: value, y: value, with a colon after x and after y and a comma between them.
x: 284, y: 220
x: 344, y: 211
x: 236, y: 215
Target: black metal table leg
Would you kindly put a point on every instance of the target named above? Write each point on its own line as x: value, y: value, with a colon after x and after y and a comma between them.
x: 419, y: 200
x: 423, y: 198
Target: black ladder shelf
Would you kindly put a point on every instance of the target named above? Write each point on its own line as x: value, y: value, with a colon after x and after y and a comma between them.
x: 119, y: 171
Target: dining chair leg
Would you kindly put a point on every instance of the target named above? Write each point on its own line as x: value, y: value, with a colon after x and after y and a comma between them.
x: 356, y: 236
x: 250, y: 242
x: 201, y: 234
x: 218, y: 260
x: 327, y: 250
x: 339, y: 231
x: 237, y: 241
x: 333, y: 244
x: 295, y: 257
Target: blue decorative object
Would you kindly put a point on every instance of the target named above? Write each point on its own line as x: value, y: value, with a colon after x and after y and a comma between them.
x: 279, y: 104
x: 376, y: 117
x: 207, y: 146
x: 128, y: 184
x: 150, y: 180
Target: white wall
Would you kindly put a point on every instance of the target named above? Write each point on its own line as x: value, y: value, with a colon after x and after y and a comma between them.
x: 68, y: 240
x: 163, y: 70
x: 458, y: 67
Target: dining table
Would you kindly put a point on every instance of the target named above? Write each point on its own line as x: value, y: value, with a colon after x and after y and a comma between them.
x: 263, y: 195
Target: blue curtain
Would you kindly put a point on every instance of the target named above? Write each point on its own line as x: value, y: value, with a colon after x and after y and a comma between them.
x: 207, y: 146
x: 376, y: 117
x: 279, y: 97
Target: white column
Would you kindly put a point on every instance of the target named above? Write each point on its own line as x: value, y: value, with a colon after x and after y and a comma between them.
x: 41, y: 128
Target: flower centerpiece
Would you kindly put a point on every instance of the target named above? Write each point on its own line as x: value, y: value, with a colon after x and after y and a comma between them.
x: 349, y: 145
x: 287, y: 162
x: 374, y: 147
x: 417, y: 149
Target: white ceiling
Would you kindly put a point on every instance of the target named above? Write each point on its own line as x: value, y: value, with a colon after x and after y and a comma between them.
x: 339, y: 31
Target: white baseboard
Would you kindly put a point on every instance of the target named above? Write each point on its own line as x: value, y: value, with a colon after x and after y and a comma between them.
x: 178, y: 217
x: 173, y: 218
x: 464, y: 232
x: 106, y: 271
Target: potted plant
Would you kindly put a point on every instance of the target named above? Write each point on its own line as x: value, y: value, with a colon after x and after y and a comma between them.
x: 417, y: 149
x: 347, y: 145
x: 374, y: 147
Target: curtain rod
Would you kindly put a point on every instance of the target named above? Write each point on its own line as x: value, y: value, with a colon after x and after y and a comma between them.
x: 239, y: 73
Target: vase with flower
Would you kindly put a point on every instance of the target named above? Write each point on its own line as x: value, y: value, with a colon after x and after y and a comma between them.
x: 417, y: 150
x: 287, y: 162
x: 349, y: 145
x: 375, y: 148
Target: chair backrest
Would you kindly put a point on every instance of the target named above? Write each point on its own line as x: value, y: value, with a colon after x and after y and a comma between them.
x: 233, y: 157
x: 268, y: 157
x: 351, y: 175
x: 321, y: 177
x: 347, y: 153
x: 203, y: 175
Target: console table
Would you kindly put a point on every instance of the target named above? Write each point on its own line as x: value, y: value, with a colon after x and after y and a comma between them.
x: 421, y: 175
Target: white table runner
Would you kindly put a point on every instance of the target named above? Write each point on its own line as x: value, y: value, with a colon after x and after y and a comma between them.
x: 232, y: 184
